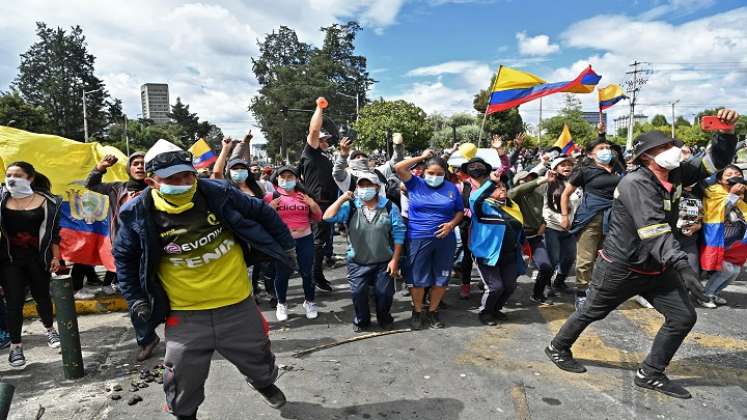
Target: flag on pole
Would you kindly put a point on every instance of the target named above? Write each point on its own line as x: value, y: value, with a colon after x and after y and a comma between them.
x: 565, y: 141
x: 609, y: 96
x: 514, y: 87
x: 202, y: 154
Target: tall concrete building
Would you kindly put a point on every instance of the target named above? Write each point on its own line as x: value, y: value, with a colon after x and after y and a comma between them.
x: 155, y: 101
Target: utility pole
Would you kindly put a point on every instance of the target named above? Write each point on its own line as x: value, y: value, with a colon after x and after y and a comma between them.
x: 85, y: 114
x: 539, y: 125
x: 632, y: 88
x: 673, y: 103
x: 127, y: 137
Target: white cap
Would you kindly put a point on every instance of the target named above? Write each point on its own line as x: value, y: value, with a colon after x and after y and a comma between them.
x: 558, y: 160
x: 161, y: 146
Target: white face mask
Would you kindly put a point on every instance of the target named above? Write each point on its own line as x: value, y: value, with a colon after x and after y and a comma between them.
x: 19, y: 187
x: 669, y: 159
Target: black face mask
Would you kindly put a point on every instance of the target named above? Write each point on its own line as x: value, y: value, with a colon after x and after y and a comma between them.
x: 477, y: 172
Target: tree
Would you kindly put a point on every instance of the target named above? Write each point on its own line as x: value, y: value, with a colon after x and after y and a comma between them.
x: 506, y: 123
x: 114, y: 111
x: 681, y: 121
x: 187, y: 121
x: 380, y: 118
x: 53, y: 74
x: 659, y: 121
x: 581, y: 131
x: 16, y: 112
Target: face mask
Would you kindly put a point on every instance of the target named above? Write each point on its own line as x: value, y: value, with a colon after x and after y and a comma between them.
x: 19, y: 187
x: 239, y: 175
x: 365, y: 193
x: 287, y: 184
x: 604, y: 156
x: 434, y: 181
x: 168, y: 189
x: 669, y: 159
x: 257, y: 175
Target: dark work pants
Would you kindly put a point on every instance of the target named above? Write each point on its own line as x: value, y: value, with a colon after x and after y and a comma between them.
x: 611, y: 285
x: 465, y: 269
x: 561, y: 246
x: 541, y: 259
x: 360, y: 276
x: 16, y: 277
x: 83, y: 274
x: 500, y: 282
x: 322, y: 239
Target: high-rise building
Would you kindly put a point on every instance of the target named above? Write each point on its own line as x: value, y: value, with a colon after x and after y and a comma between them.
x: 155, y: 101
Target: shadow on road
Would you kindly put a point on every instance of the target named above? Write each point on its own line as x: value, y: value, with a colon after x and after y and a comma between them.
x: 427, y: 408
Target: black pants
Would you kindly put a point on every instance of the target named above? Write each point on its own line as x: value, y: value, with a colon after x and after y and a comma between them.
x: 16, y: 278
x: 611, y: 285
x: 83, y: 274
x: 541, y: 260
x: 322, y: 239
x: 500, y: 282
x: 465, y: 269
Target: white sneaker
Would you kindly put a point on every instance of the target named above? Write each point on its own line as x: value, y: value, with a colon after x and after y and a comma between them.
x: 83, y: 294
x: 707, y: 304
x: 718, y: 300
x: 281, y: 313
x: 643, y: 302
x: 109, y: 290
x: 311, y: 311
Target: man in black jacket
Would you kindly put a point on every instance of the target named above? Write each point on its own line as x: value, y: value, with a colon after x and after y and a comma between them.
x: 642, y: 257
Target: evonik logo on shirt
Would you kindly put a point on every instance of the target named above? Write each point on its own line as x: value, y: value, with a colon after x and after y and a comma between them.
x: 174, y: 248
x: 205, y: 258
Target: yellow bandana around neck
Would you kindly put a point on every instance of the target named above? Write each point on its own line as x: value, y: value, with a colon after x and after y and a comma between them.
x: 174, y: 204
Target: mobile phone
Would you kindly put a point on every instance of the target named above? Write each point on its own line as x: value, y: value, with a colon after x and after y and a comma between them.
x: 713, y: 123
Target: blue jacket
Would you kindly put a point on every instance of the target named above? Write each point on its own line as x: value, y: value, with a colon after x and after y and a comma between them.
x: 591, y: 205
x: 137, y: 247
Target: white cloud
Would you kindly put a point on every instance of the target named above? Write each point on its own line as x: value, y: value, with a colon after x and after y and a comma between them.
x: 535, y: 45
x: 438, y: 98
x: 676, y: 8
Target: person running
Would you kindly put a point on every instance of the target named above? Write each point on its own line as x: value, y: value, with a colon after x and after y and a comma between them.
x: 298, y: 211
x: 30, y: 225
x: 181, y: 252
x: 496, y: 239
x: 561, y: 245
x: 435, y: 209
x: 315, y: 170
x: 641, y: 255
x: 376, y: 234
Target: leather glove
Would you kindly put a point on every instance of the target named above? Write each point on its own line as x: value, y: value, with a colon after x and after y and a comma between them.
x: 690, y: 279
x: 141, y: 309
x: 292, y: 259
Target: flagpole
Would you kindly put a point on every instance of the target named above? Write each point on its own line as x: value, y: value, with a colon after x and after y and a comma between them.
x: 485, y: 114
x: 539, y: 127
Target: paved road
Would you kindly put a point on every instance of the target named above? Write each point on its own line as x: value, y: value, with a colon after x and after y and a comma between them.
x: 466, y: 371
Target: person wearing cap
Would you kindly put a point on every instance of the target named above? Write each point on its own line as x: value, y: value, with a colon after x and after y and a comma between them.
x: 376, y: 235
x: 348, y: 165
x: 298, y: 211
x: 182, y: 251
x: 641, y: 255
x: 561, y: 244
x: 315, y: 170
x: 529, y: 193
x: 598, y: 178
x: 496, y: 239
x: 465, y: 184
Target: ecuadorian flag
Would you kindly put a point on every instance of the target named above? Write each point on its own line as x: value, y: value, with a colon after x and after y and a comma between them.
x: 715, y: 251
x: 609, y: 96
x: 203, y: 154
x: 565, y: 141
x: 514, y: 87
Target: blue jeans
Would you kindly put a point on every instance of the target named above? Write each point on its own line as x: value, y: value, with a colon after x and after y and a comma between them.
x: 541, y: 259
x: 359, y: 277
x: 561, y: 246
x: 720, y: 279
x: 145, y: 332
x: 305, y: 253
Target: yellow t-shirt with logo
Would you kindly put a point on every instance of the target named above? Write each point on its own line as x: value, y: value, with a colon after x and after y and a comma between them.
x: 202, y: 264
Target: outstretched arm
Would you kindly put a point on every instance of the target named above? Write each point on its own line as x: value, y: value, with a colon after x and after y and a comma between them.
x: 315, y: 125
x: 220, y: 164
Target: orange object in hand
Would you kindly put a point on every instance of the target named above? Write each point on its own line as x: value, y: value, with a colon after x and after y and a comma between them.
x: 321, y: 102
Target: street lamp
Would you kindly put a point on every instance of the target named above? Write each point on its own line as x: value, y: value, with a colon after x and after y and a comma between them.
x: 85, y: 116
x: 357, y: 102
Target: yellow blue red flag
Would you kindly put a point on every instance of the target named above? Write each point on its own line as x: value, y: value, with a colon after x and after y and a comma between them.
x: 565, y: 141
x: 202, y: 154
x: 609, y: 96
x: 84, y: 222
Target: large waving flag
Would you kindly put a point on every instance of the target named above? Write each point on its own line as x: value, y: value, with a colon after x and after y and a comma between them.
x: 514, y: 87
x: 715, y: 250
x: 609, y: 96
x: 67, y: 163
x: 203, y: 154
x: 565, y: 141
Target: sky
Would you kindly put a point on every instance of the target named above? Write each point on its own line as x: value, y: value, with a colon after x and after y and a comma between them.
x: 434, y: 53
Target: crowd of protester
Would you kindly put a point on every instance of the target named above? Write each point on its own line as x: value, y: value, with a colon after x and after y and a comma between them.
x: 198, y: 251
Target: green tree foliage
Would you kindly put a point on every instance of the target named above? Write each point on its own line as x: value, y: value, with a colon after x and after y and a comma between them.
x: 16, y: 112
x: 505, y: 123
x: 188, y: 121
x: 114, y: 113
x: 53, y: 74
x: 143, y: 134
x: 379, y: 118
x: 292, y: 74
x: 581, y: 131
x: 659, y: 121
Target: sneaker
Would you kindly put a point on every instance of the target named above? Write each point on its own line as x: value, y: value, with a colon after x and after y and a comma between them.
x: 580, y: 301
x: 53, y: 339
x: 360, y: 328
x: 109, y: 290
x: 487, y: 319
x: 643, y: 302
x: 281, y: 312
x: 550, y: 292
x: 499, y: 316
x: 323, y: 284
x: 263, y: 296
x: 718, y: 300
x: 541, y: 300
x: 416, y: 322
x: 464, y: 292
x: 435, y: 320
x: 564, y: 360
x: 16, y: 357
x: 660, y: 382
x: 272, y: 395
x: 147, y: 350
x: 83, y: 295
x: 706, y: 304
x: 311, y: 311
x: 4, y: 339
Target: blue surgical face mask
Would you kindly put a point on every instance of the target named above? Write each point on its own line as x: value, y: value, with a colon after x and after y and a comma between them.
x: 168, y: 189
x: 286, y: 184
x: 434, y: 180
x: 239, y: 175
x: 365, y: 193
x: 604, y: 156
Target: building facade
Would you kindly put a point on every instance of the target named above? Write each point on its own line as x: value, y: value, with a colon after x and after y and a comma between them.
x: 154, y: 98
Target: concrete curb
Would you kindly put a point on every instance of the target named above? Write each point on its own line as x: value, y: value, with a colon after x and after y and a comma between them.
x: 98, y: 305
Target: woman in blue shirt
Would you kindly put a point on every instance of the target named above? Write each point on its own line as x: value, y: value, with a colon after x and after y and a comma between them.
x: 435, y: 209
